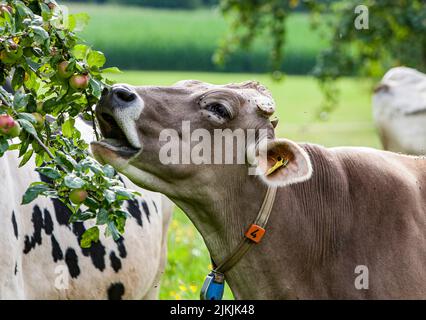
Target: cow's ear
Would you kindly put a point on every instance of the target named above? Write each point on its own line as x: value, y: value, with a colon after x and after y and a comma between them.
x: 283, y: 163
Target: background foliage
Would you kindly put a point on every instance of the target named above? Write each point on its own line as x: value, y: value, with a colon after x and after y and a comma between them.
x: 396, y: 35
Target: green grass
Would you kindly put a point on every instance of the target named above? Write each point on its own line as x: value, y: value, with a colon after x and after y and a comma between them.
x: 298, y: 99
x: 152, y: 39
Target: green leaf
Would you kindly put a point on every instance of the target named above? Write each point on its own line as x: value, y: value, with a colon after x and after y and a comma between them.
x: 18, y: 78
x: 91, y: 203
x: 122, y: 193
x: 5, y: 96
x: 23, y: 10
x: 112, y: 230
x: 39, y: 159
x: 96, y: 59
x: 65, y: 160
x: 108, y: 170
x: 46, y: 13
x: 102, y: 217
x: 27, y: 156
x: 68, y: 127
x: 14, y: 146
x: 89, y: 236
x: 120, y: 220
x: 111, y: 70
x: 95, y: 88
x: 8, y: 17
x: 20, y: 100
x: 32, y: 82
x: 41, y: 36
x: 78, y: 21
x: 24, y: 147
x: 49, y: 105
x: 27, y: 126
x: 90, y: 163
x: 28, y: 117
x: 34, y: 66
x: 109, y: 196
x: 31, y: 105
x: 4, y: 145
x: 81, y: 216
x: 51, y: 173
x: 36, y: 189
x: 73, y: 182
x: 80, y: 51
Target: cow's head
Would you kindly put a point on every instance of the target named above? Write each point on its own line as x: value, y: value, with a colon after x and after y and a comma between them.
x: 132, y: 120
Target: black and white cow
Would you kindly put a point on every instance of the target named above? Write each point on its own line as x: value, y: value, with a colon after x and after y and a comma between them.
x: 40, y: 256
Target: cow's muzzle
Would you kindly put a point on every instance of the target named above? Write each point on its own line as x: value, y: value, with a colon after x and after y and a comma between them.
x: 117, y: 112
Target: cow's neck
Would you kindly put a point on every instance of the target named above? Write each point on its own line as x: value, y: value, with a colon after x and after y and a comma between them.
x: 301, y: 238
x: 222, y: 214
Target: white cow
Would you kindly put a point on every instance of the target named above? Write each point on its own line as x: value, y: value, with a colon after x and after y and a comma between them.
x: 399, y: 110
x: 40, y: 253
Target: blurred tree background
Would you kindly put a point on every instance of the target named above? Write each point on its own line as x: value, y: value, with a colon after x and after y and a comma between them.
x: 392, y: 33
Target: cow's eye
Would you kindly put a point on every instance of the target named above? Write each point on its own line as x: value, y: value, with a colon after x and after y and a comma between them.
x: 219, y: 109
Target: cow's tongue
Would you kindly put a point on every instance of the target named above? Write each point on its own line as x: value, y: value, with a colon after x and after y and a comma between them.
x: 114, y: 135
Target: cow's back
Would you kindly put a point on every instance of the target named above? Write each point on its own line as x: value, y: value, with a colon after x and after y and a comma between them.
x: 41, y: 256
x: 387, y: 233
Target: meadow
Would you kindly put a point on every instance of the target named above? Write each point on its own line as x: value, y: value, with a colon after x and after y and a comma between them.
x: 152, y: 39
x: 298, y: 100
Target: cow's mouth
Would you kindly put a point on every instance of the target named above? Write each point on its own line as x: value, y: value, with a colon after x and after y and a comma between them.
x: 115, y: 138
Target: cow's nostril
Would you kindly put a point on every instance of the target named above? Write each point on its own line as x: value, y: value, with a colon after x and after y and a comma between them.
x: 124, y: 94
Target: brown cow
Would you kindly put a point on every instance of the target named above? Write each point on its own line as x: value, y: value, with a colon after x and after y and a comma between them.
x: 347, y: 223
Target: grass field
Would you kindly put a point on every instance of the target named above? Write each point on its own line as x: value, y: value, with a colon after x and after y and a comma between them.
x: 298, y: 99
x: 152, y: 39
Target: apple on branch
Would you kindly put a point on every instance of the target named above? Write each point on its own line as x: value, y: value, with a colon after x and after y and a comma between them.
x: 79, y: 81
x: 9, y: 127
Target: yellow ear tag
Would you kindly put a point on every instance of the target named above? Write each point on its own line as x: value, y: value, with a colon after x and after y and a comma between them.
x: 280, y: 163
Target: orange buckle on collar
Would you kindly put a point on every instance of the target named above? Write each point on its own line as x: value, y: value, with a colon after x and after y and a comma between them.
x: 255, y: 233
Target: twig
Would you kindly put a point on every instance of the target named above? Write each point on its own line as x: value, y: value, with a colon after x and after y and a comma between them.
x: 43, y: 146
x: 93, y: 119
x: 94, y: 125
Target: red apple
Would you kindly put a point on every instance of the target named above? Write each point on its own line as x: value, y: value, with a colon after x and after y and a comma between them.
x: 15, y: 131
x: 77, y: 196
x: 9, y: 127
x: 62, y: 70
x: 79, y: 81
x: 6, y: 121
